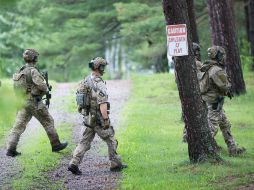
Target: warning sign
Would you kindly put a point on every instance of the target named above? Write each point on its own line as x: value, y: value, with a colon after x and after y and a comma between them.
x: 177, y: 41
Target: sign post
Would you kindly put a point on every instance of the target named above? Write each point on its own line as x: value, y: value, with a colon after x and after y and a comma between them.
x: 177, y: 41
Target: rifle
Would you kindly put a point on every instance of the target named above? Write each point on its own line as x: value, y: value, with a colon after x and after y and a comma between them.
x: 48, y: 95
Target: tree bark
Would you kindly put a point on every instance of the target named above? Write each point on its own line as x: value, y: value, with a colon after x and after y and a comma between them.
x: 192, y: 17
x: 200, y: 141
x: 247, y: 24
x: 223, y: 34
x: 249, y: 10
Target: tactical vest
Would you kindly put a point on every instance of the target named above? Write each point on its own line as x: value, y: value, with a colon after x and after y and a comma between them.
x: 87, y: 101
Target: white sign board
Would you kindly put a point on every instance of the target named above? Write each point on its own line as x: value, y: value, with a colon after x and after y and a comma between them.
x: 177, y: 40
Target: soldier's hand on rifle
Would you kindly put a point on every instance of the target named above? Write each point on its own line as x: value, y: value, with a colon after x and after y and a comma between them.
x: 80, y: 109
x: 106, y: 123
x: 230, y: 94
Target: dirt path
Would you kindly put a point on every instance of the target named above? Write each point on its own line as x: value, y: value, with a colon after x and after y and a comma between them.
x: 95, y: 165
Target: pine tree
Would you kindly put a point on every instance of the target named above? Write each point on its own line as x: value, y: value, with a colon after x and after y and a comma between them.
x: 200, y: 141
x: 223, y: 34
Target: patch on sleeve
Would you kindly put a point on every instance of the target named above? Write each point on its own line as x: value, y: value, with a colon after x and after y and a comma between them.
x: 222, y: 76
x: 101, y: 94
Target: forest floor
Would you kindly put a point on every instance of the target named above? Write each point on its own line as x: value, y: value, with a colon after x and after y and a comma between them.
x: 39, y: 168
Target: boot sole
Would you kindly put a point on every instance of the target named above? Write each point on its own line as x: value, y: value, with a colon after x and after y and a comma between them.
x: 74, y: 171
x: 57, y: 150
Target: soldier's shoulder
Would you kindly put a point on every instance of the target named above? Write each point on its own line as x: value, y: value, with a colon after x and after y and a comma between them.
x: 215, y: 69
x: 98, y: 79
x: 198, y: 64
x: 33, y: 70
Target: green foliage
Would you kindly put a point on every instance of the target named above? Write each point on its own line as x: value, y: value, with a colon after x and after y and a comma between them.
x: 9, y: 104
x: 143, y: 29
x: 68, y: 34
x: 245, y: 54
x: 151, y: 140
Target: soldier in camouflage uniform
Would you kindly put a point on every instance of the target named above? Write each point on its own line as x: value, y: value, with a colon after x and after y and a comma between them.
x: 95, y: 110
x: 196, y: 50
x: 34, y: 89
x: 218, y: 86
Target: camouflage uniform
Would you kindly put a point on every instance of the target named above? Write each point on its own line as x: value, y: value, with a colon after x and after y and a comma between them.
x: 218, y: 87
x: 95, y: 121
x: 33, y: 107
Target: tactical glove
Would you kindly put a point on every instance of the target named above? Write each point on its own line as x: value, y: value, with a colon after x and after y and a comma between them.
x: 80, y: 109
x: 230, y: 94
x: 106, y: 123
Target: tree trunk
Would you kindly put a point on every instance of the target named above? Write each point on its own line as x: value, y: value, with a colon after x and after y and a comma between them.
x: 223, y: 34
x: 246, y: 12
x: 192, y: 17
x: 200, y: 141
x: 250, y: 27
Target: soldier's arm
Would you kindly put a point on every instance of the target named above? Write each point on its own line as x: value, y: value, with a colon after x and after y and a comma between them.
x: 104, y: 110
x: 221, y: 80
x: 38, y: 80
x: 102, y: 99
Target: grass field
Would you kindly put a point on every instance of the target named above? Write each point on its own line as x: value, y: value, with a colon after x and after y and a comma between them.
x: 151, y: 140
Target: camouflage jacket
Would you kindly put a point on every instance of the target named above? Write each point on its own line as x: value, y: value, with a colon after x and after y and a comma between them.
x: 218, y: 84
x: 198, y: 65
x: 98, y: 96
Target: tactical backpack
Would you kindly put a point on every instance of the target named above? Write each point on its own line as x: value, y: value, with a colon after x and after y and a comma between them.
x: 22, y: 80
x: 84, y: 94
x: 204, y: 82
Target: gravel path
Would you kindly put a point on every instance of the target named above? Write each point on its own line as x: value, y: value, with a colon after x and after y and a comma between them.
x: 95, y: 166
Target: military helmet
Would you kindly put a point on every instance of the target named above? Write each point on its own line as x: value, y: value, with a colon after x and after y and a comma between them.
x: 214, y: 51
x: 195, y: 47
x: 97, y: 62
x: 196, y: 50
x: 30, y: 55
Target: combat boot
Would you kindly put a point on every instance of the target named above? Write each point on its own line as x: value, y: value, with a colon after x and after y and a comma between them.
x: 74, y: 169
x: 118, y: 168
x: 61, y: 146
x: 12, y: 153
x: 235, y: 151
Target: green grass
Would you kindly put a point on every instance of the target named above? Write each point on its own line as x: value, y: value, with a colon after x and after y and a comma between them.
x: 9, y: 103
x: 151, y: 140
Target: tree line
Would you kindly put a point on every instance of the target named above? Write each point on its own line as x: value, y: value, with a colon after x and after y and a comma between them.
x: 130, y: 34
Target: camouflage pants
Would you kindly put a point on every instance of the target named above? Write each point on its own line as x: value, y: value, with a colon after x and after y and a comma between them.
x: 40, y: 112
x: 85, y: 144
x: 217, y: 119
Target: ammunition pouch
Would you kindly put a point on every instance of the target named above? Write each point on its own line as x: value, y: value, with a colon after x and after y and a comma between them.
x: 215, y: 106
x: 80, y: 99
x: 218, y: 104
x: 37, y: 98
